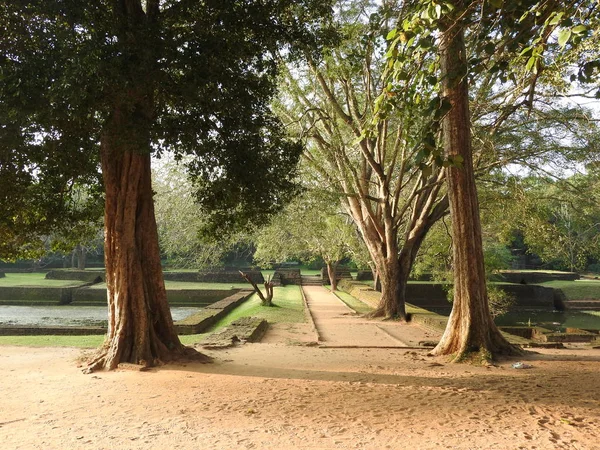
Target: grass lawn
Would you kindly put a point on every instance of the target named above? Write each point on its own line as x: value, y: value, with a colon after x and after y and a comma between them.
x: 34, y: 279
x: 53, y: 341
x: 289, y: 307
x: 353, y: 303
x: 75, y: 341
x: 577, y: 290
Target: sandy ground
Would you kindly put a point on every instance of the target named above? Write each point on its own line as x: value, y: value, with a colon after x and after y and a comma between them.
x: 279, y: 396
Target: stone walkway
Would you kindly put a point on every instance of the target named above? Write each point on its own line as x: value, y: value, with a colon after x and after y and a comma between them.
x: 338, y: 326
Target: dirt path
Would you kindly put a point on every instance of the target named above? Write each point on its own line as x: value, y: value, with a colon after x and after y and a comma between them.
x: 274, y: 396
x: 338, y: 326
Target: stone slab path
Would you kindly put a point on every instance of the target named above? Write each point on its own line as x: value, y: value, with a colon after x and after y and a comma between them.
x: 339, y: 326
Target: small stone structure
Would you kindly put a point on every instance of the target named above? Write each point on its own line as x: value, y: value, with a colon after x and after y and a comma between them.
x: 201, y: 321
x: 245, y: 329
x: 533, y: 277
x: 364, y: 275
x: 2, y: 275
x: 288, y: 276
x: 89, y: 276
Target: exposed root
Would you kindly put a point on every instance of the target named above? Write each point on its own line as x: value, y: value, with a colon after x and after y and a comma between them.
x: 185, y: 354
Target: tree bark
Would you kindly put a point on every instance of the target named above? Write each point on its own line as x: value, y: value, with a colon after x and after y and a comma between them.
x: 266, y: 299
x: 471, y: 331
x: 392, y: 302
x: 81, y: 257
x: 332, y: 274
x: 140, y: 326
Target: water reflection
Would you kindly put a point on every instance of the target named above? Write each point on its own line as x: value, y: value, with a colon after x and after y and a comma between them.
x: 68, y: 315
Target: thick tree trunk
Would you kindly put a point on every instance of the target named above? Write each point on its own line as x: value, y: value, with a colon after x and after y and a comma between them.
x: 332, y: 274
x: 140, y: 326
x: 471, y: 331
x: 393, y: 291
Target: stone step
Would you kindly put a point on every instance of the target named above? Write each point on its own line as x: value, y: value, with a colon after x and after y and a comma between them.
x: 593, y: 305
x: 312, y: 281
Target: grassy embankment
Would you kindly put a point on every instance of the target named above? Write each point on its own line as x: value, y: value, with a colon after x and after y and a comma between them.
x: 577, y: 290
x: 35, y: 280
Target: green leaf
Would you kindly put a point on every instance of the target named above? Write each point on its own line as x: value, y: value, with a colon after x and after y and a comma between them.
x: 556, y: 19
x: 392, y: 34
x: 580, y: 29
x: 526, y: 51
x: 563, y: 37
x: 530, y: 63
x: 496, y: 3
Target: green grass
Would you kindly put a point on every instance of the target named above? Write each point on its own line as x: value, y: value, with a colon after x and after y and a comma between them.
x: 75, y: 341
x: 289, y: 308
x: 577, y: 290
x: 354, y: 303
x: 53, y: 341
x: 34, y: 279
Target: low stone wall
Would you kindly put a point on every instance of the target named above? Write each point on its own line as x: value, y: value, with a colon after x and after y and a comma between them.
x: 433, y: 295
x: 197, y: 323
x: 176, y: 297
x: 80, y: 275
x: 364, y: 275
x: 360, y: 291
x: 27, y: 295
x: 533, y: 277
x: 288, y: 276
x: 19, y: 330
x: 245, y: 329
x: 215, y: 276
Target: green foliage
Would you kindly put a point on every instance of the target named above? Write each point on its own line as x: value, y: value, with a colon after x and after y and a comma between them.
x: 192, y: 79
x: 560, y: 219
x: 499, y: 301
x: 310, y: 227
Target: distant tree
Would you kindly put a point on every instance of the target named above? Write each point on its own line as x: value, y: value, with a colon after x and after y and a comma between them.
x: 560, y: 219
x: 310, y: 227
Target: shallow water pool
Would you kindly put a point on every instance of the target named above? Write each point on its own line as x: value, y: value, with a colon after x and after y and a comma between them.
x: 69, y: 316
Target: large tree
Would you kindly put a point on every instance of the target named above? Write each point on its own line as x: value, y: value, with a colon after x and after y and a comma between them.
x: 310, y: 227
x: 506, y: 33
x: 104, y: 86
x: 385, y: 175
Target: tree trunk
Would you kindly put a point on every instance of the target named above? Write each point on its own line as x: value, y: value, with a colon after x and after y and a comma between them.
x: 332, y: 274
x: 266, y: 299
x: 74, y: 257
x: 471, y: 331
x: 81, y: 257
x: 393, y: 291
x: 140, y: 326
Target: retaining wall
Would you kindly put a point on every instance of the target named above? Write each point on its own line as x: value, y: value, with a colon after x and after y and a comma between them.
x: 201, y: 321
x: 179, y: 297
x: 88, y: 276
